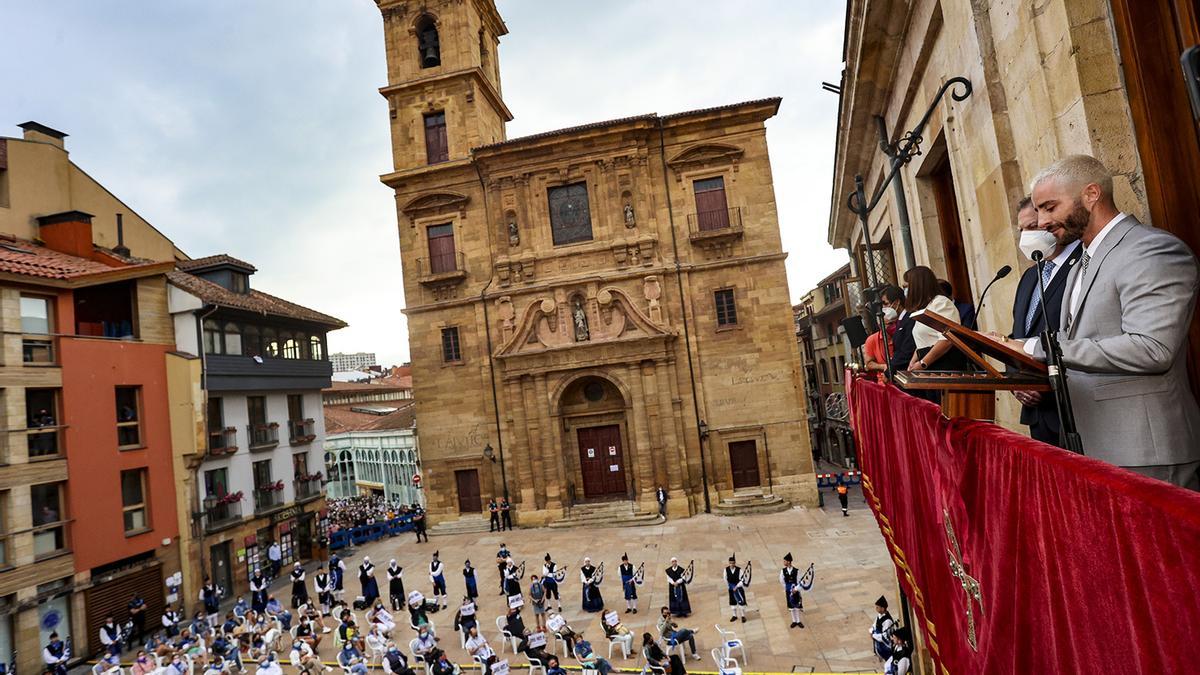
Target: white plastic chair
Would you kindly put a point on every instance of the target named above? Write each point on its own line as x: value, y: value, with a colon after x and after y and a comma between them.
x: 536, y: 665
x: 506, y: 638
x: 730, y: 642
x: 376, y: 646
x: 624, y: 641
x: 725, y: 665
x: 675, y: 645
x: 560, y: 640
x: 417, y: 658
x: 342, y: 664
x: 650, y: 667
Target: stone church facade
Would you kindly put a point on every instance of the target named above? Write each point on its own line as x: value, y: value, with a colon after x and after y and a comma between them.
x: 593, y: 312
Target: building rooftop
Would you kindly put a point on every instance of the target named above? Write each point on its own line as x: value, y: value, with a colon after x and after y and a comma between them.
x: 214, y: 261
x: 340, y: 419
x: 251, y: 301
x: 382, y: 384
x: 27, y: 258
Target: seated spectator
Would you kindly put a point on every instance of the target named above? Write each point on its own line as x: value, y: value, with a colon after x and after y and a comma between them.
x: 143, y: 664
x: 269, y: 666
x: 553, y: 667
x: 465, y: 617
x: 589, y: 659
x: 382, y: 618
x: 673, y: 634
x: 305, y: 659
x: 441, y: 663
x: 478, y: 647
x: 277, y: 610
x: 654, y: 654
x: 616, y: 631
x: 351, y: 659
x: 395, y: 662
x: 426, y: 642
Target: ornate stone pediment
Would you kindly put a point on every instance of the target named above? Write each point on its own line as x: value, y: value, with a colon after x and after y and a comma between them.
x: 435, y: 201
x: 707, y: 153
x: 573, y: 318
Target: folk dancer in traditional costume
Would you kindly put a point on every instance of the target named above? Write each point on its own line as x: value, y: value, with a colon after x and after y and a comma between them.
x: 469, y: 580
x: 395, y: 576
x: 323, y: 585
x: 660, y: 496
x: 512, y: 578
x: 900, y: 662
x: 210, y: 598
x: 737, y: 590
x: 881, y: 629
x: 110, y: 636
x: 366, y: 577
x: 258, y: 591
x: 55, y: 655
x: 628, y: 585
x: 337, y: 574
x: 437, y: 574
x: 677, y: 590
x: 299, y: 588
x: 502, y: 557
x: 592, y: 601
x: 550, y: 582
x: 790, y: 578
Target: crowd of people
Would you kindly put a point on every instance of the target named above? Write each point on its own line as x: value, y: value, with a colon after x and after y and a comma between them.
x: 350, y: 512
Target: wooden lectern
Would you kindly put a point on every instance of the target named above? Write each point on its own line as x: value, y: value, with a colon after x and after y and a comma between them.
x: 972, y: 393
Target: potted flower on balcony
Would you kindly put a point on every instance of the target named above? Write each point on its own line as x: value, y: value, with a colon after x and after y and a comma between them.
x: 231, y: 498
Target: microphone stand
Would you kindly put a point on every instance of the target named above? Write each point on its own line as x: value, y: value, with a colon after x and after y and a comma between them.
x: 983, y: 295
x: 1068, y: 433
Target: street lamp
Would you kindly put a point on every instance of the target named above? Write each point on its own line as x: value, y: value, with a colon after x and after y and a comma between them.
x: 703, y: 429
x: 489, y: 452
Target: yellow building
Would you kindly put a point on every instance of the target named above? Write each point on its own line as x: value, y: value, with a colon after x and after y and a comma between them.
x: 602, y: 309
x: 1049, y: 79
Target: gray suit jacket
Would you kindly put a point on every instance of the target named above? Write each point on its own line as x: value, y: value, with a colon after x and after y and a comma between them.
x: 1125, y: 348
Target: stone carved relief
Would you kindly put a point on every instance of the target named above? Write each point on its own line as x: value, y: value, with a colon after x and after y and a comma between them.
x: 652, y: 292
x: 607, y: 314
x: 514, y: 234
x: 505, y: 309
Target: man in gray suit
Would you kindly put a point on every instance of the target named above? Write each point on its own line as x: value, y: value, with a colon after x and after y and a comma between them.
x: 1126, y: 311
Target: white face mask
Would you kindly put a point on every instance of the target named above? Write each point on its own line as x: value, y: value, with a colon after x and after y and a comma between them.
x: 889, y: 314
x: 1037, y: 240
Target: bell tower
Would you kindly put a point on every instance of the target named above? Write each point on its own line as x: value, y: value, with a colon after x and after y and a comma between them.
x: 443, y: 88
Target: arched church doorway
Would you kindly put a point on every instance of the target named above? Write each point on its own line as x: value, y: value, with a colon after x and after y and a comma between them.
x: 595, y: 452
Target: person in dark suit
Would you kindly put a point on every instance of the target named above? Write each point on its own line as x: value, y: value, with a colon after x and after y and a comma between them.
x: 903, y: 345
x: 1039, y: 410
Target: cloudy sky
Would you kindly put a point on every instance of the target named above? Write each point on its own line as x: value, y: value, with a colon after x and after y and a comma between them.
x: 256, y: 129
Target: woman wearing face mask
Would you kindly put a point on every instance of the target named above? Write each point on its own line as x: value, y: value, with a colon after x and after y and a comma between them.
x: 893, y: 303
x: 933, y: 351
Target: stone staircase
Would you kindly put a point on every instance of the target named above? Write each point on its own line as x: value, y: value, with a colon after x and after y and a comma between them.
x: 606, y: 514
x: 750, y: 501
x: 464, y: 525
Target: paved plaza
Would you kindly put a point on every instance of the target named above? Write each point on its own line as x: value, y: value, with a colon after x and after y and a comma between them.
x: 852, y: 570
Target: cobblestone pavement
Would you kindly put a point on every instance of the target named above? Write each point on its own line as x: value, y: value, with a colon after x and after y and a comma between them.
x: 852, y: 570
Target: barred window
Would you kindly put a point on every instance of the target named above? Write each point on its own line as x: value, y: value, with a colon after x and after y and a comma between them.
x: 451, y: 350
x: 726, y: 307
x: 570, y: 218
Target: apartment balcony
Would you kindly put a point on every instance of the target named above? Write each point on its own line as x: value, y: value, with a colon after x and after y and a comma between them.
x: 223, y: 442
x: 220, y: 513
x: 231, y: 372
x: 46, y: 442
x: 308, y: 488
x: 715, y: 229
x: 447, y: 269
x: 302, y: 432
x: 262, y: 436
x: 268, y: 498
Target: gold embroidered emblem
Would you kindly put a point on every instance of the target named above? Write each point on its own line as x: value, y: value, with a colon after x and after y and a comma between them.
x: 969, y: 584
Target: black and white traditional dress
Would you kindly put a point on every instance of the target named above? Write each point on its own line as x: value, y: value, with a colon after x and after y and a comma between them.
x: 299, y: 588
x: 881, y: 630
x: 366, y: 577
x: 790, y: 578
x: 512, y: 579
x: 395, y: 575
x: 592, y: 601
x: 737, y: 592
x: 437, y: 574
x: 627, y: 583
x: 258, y: 592
x: 337, y: 573
x: 677, y: 594
x: 549, y: 582
x: 469, y: 580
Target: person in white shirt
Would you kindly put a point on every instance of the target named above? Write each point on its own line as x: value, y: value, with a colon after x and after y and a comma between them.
x: 269, y: 666
x: 478, y: 646
x: 382, y: 619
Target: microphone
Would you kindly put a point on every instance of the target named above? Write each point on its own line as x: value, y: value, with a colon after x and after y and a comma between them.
x: 1000, y: 274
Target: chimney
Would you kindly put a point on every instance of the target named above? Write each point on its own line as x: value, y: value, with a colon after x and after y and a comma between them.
x: 40, y: 132
x: 68, y: 232
x: 121, y: 248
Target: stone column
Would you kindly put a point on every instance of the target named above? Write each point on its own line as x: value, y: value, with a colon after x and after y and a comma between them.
x: 526, y: 486
x: 672, y: 442
x: 655, y: 413
x: 551, y: 450
x: 643, y: 450
x: 534, y: 436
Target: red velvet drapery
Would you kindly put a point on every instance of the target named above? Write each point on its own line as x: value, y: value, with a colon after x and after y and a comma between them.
x: 1082, y: 567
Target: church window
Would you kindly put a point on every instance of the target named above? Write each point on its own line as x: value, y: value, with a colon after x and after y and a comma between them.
x: 712, y: 211
x: 428, y: 46
x: 726, y: 307
x: 570, y: 219
x: 451, y: 350
x: 437, y: 147
x: 441, y: 248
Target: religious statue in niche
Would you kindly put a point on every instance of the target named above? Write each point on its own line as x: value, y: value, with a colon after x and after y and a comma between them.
x: 630, y: 221
x: 579, y: 317
x: 514, y: 235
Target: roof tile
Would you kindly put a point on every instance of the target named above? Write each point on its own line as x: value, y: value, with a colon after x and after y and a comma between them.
x: 251, y: 301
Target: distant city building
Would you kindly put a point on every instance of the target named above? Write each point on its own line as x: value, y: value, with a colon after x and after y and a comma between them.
x: 356, y: 361
x: 371, y: 442
x: 824, y: 351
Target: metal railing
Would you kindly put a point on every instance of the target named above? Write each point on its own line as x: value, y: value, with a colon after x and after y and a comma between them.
x: 307, y: 488
x: 719, y: 221
x: 262, y: 436
x: 218, y: 514
x: 223, y: 442
x: 442, y: 264
x: 302, y: 431
x: 265, y: 500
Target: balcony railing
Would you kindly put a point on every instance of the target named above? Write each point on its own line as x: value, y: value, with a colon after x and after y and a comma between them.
x: 267, y: 499
x: 45, y: 442
x: 218, y: 514
x: 301, y: 432
x: 223, y: 442
x: 721, y: 222
x: 262, y: 436
x: 37, y: 350
x: 307, y: 488
x: 446, y: 267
